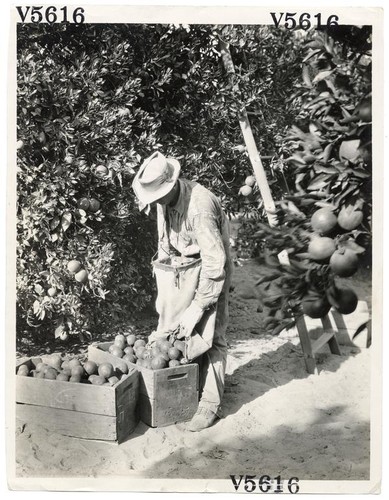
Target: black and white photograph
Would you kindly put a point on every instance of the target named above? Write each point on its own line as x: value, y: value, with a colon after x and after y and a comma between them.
x: 195, y: 296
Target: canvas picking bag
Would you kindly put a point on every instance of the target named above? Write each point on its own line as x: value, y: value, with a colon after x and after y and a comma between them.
x: 177, y: 281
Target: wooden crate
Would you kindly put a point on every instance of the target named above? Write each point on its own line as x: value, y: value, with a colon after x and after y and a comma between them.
x: 167, y: 396
x: 77, y: 409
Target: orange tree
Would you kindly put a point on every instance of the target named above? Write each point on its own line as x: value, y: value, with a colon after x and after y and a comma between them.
x: 93, y: 102
x: 326, y: 161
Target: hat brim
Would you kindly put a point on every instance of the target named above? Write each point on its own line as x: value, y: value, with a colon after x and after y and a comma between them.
x: 145, y: 197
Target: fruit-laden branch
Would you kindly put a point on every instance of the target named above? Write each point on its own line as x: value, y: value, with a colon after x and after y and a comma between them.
x: 252, y: 150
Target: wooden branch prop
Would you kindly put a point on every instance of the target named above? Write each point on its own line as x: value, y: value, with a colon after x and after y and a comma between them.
x: 249, y: 140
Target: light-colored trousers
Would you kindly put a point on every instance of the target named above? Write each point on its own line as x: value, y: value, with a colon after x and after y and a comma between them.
x: 212, y: 364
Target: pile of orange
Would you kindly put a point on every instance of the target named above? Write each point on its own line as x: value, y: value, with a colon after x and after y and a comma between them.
x: 73, y: 370
x: 161, y: 354
x: 342, y: 261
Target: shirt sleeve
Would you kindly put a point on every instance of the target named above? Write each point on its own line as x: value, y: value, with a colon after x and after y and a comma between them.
x: 213, y: 256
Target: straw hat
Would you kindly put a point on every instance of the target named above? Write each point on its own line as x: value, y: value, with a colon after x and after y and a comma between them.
x: 155, y: 178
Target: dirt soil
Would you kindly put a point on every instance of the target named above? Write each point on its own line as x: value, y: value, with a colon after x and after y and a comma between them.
x: 278, y: 419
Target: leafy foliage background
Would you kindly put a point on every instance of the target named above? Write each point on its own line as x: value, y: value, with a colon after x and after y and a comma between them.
x: 110, y: 95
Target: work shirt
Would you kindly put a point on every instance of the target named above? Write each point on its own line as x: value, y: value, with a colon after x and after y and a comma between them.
x: 195, y: 225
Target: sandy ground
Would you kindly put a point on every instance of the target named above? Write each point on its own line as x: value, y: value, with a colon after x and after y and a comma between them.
x: 278, y: 419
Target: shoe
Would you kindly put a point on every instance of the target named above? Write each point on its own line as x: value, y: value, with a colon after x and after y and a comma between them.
x: 202, y: 419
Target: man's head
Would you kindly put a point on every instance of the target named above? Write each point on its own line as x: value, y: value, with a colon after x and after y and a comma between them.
x: 156, y: 180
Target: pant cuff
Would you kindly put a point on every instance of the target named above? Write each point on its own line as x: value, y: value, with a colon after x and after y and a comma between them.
x: 214, y: 407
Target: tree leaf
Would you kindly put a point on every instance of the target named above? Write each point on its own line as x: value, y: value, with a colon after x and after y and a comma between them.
x: 36, y: 307
x: 322, y: 75
x: 318, y: 182
x: 54, y: 222
x: 351, y: 245
x: 66, y: 220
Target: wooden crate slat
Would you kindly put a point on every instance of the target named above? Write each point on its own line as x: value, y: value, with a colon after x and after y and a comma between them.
x: 68, y: 422
x: 66, y: 395
x: 126, y: 406
x: 160, y: 414
x: 321, y: 341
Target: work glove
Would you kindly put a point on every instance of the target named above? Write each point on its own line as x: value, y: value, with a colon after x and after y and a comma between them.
x: 189, y: 320
x: 155, y: 335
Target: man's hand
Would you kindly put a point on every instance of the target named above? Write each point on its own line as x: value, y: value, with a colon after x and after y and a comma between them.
x: 189, y: 320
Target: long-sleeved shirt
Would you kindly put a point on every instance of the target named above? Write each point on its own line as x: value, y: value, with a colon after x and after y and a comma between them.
x: 196, y: 224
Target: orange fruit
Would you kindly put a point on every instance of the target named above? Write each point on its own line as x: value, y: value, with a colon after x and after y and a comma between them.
x: 67, y: 371
x: 73, y: 362
x: 155, y: 351
x: 158, y: 363
x: 120, y: 337
x: 165, y: 346
x: 39, y: 374
x: 315, y: 306
x: 116, y: 351
x: 120, y: 343
x: 174, y: 362
x: 77, y: 370
x: 165, y: 356
x: 55, y: 361
x: 41, y: 367
x: 350, y: 217
x: 51, y: 373
x: 75, y: 378
x: 64, y: 377
x: 90, y: 367
x: 250, y: 180
x: 140, y: 352
x: 245, y: 190
x: 350, y: 150
x: 130, y: 358
x: 101, y: 171
x: 174, y: 353
x: 65, y: 364
x: 128, y: 350
x: 113, y: 380
x: 74, y: 266
x: 121, y: 368
x: 94, y: 205
x: 321, y: 248
x: 147, y: 363
x: 81, y: 276
x: 96, y: 379
x: 84, y: 204
x: 344, y: 262
x: 138, y: 343
x: 131, y: 339
x: 323, y: 221
x: 347, y: 301
x: 23, y: 370
x: 105, y: 370
x: 364, y: 111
